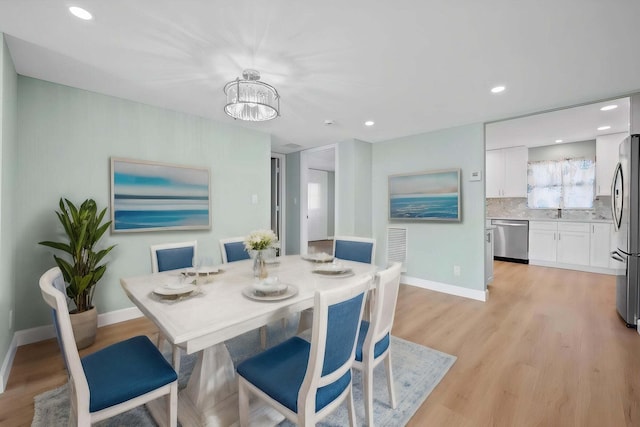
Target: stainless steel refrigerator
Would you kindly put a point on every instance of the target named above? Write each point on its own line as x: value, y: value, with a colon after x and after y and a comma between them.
x: 625, y: 206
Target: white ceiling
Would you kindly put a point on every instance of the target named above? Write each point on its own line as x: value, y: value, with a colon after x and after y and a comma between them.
x: 411, y: 66
x: 568, y: 125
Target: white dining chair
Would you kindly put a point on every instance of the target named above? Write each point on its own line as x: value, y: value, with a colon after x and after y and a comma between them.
x: 232, y: 249
x: 351, y: 248
x: 173, y: 256
x: 167, y: 257
x: 305, y: 381
x: 114, y: 379
x: 373, y: 345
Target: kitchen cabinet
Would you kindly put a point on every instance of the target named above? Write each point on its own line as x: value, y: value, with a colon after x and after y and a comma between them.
x: 600, y: 249
x: 488, y: 255
x: 573, y: 243
x: 606, y: 160
x: 577, y: 245
x: 506, y: 174
x: 542, y: 240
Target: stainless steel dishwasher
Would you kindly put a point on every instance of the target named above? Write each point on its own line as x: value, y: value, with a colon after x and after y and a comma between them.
x: 511, y: 240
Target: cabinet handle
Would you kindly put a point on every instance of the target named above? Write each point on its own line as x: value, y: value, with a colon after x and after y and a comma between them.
x: 554, y: 236
x: 559, y: 236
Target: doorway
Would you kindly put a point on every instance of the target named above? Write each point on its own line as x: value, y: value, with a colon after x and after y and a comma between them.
x: 277, y: 193
x: 317, y: 194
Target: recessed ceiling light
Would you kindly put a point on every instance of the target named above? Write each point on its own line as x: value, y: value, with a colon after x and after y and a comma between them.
x: 604, y: 127
x: 498, y: 89
x: 81, y: 13
x: 609, y: 107
x: 369, y: 123
x: 558, y: 141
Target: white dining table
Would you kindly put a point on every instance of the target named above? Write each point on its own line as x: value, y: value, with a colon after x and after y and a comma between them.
x: 216, y: 312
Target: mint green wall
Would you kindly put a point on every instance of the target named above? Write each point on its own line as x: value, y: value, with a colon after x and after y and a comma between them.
x: 435, y: 247
x: 293, y: 203
x: 8, y: 146
x: 66, y: 137
x: 353, y: 188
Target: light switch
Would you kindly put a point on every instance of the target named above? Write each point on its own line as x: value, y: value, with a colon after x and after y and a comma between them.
x: 254, y: 199
x: 476, y: 176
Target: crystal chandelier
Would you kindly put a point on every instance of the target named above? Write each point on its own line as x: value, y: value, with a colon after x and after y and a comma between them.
x: 250, y: 99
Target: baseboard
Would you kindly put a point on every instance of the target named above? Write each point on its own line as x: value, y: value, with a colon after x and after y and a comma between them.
x: 445, y: 288
x: 8, y: 362
x: 587, y: 268
x: 41, y: 333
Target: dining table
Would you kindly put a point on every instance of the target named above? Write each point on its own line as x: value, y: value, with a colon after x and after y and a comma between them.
x: 219, y: 306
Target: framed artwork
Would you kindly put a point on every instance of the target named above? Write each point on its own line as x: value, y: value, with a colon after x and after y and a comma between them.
x: 425, y: 196
x: 148, y: 196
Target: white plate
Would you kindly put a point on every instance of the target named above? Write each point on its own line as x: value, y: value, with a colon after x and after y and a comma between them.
x: 332, y: 269
x: 208, y: 270
x: 166, y: 291
x: 250, y: 293
x: 321, y: 257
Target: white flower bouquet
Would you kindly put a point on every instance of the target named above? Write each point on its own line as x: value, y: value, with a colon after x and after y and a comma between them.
x: 259, y: 240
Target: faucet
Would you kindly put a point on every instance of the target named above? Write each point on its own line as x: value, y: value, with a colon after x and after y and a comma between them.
x: 559, y: 213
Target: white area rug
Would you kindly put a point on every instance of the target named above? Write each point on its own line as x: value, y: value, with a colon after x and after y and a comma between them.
x: 417, y: 370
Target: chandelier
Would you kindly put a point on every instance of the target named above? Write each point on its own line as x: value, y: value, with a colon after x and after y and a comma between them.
x: 250, y: 99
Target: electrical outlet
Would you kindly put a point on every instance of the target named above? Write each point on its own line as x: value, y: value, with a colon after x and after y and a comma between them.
x: 10, y: 319
x: 456, y: 270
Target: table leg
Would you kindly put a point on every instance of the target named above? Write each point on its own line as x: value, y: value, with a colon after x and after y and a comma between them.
x: 211, y: 396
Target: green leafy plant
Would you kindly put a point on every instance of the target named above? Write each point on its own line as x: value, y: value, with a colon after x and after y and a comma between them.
x: 84, y: 229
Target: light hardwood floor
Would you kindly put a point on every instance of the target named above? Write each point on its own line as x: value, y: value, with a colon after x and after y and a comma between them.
x: 546, y: 349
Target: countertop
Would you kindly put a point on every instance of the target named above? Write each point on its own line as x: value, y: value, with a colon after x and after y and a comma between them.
x: 607, y: 221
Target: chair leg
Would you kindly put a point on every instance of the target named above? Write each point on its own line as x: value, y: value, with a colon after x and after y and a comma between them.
x: 367, y: 379
x: 263, y: 337
x: 160, y: 341
x: 392, y: 393
x: 351, y: 407
x: 176, y: 358
x: 306, y: 320
x: 172, y: 405
x: 243, y: 403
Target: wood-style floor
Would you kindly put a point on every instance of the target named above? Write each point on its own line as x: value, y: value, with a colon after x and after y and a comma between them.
x: 546, y: 349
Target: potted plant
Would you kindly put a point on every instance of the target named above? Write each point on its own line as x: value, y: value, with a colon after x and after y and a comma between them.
x: 83, y: 227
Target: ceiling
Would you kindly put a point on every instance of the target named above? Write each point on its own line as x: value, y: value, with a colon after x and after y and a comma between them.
x: 567, y: 125
x: 412, y: 66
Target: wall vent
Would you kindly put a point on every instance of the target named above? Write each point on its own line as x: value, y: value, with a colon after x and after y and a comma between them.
x: 397, y: 246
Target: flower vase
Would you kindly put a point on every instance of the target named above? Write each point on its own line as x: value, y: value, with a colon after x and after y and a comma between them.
x: 259, y: 265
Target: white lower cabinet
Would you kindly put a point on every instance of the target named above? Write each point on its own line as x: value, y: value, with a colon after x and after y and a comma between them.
x: 577, y: 245
x: 488, y: 256
x: 542, y: 240
x: 600, y: 255
x: 573, y: 243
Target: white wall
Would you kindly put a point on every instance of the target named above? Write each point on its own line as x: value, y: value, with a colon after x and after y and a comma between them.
x: 66, y: 137
x: 353, y: 188
x: 435, y: 247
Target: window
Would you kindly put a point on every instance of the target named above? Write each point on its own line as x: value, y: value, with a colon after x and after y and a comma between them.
x: 561, y: 184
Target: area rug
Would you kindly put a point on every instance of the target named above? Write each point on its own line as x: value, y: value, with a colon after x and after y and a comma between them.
x: 417, y: 370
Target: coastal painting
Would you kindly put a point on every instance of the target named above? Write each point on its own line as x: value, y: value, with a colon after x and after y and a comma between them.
x: 147, y: 196
x: 428, y: 196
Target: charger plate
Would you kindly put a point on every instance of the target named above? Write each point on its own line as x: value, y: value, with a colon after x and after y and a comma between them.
x: 251, y: 293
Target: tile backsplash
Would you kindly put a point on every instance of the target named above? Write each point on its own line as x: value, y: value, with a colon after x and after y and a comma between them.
x: 517, y: 208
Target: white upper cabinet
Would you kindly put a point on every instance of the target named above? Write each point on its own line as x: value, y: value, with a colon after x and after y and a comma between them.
x: 606, y: 161
x: 506, y: 174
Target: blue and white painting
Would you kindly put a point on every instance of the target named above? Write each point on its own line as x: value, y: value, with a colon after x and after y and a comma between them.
x: 152, y: 196
x: 425, y: 196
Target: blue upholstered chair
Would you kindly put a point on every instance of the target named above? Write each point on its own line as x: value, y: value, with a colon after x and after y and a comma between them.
x: 232, y: 249
x: 358, y: 249
x: 173, y: 256
x: 374, y: 337
x: 306, y: 381
x: 112, y: 380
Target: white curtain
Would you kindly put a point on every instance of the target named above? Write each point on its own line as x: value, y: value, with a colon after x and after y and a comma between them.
x: 561, y: 184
